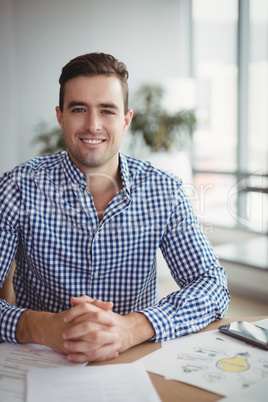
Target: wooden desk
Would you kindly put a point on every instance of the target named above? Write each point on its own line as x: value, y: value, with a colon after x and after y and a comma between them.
x: 170, y: 390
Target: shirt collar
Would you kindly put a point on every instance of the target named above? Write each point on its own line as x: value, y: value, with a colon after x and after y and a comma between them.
x: 76, y: 177
x: 73, y: 174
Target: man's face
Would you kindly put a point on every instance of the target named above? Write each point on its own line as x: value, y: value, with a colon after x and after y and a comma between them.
x: 93, y: 122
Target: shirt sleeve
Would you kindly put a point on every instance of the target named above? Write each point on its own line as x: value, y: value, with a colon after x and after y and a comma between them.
x: 203, y: 296
x: 9, y: 238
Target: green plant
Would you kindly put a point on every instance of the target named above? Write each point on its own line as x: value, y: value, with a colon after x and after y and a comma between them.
x: 51, y: 138
x: 161, y: 130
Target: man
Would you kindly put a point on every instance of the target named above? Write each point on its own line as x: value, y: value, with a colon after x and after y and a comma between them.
x: 85, y: 226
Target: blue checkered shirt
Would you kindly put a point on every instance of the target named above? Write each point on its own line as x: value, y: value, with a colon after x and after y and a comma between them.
x: 49, y: 222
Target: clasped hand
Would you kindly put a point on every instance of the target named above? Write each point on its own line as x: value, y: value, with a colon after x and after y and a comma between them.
x: 92, y: 332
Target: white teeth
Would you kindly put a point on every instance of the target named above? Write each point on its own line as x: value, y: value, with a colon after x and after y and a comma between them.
x: 92, y: 141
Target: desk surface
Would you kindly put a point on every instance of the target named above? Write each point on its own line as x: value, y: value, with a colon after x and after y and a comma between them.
x: 170, y: 390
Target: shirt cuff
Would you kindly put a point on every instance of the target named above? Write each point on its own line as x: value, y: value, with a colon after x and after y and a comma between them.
x: 162, y: 323
x: 169, y: 325
x: 10, y: 316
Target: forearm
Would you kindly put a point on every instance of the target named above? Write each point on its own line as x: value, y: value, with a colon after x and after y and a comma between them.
x: 43, y: 328
x: 32, y: 327
x: 188, y: 310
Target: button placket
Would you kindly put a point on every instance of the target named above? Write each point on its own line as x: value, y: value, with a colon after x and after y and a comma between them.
x: 95, y: 273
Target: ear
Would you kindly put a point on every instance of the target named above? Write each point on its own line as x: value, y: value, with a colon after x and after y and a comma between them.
x: 127, y: 120
x: 59, y: 117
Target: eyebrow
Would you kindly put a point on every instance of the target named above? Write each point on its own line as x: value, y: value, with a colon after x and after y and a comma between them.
x: 102, y: 105
x: 75, y: 103
x: 109, y: 106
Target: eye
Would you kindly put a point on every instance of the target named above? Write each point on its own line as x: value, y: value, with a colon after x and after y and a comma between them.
x: 108, y: 112
x: 78, y: 110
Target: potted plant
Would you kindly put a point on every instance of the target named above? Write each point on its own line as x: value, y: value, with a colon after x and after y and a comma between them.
x: 52, y: 139
x: 160, y: 136
x: 161, y: 130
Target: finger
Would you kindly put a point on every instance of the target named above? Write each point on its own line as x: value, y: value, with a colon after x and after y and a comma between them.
x: 95, y: 320
x: 86, y: 327
x: 81, y: 299
x: 93, y: 312
x: 86, y: 299
x: 94, y: 341
x: 107, y: 352
x: 103, y: 305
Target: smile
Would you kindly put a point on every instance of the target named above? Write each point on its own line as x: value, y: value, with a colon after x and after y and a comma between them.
x: 92, y: 141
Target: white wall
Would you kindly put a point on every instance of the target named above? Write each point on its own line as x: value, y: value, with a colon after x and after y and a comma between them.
x: 39, y: 36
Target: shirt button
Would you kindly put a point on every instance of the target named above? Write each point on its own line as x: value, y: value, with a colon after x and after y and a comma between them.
x: 97, y: 236
x: 96, y: 274
x: 88, y: 200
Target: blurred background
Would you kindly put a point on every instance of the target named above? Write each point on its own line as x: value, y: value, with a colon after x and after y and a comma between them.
x: 209, y: 57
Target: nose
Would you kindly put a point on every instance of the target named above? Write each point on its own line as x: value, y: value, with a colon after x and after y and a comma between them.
x: 93, y: 122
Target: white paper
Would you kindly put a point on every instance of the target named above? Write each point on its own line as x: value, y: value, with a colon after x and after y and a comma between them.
x: 210, y: 360
x: 257, y: 392
x: 16, y: 360
x: 107, y: 383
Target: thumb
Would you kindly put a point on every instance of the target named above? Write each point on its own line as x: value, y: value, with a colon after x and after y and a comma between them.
x: 81, y: 299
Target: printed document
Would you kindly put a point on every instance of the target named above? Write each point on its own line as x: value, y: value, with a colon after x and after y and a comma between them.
x: 16, y: 360
x: 210, y: 360
x: 107, y: 383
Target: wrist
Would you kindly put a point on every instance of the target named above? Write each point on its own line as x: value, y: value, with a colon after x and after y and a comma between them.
x: 30, y: 328
x: 139, y: 328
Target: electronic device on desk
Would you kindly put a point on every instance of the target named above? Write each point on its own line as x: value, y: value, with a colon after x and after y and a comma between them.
x: 248, y: 332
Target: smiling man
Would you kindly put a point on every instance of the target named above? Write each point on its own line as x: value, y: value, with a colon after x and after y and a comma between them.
x: 93, y: 120
x: 85, y: 226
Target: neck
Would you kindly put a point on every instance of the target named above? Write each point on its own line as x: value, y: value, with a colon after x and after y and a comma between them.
x: 99, y: 183
x: 103, y: 186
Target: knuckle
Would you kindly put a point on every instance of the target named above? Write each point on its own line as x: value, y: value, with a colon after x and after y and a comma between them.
x: 96, y: 337
x: 97, y: 315
x: 86, y: 326
x: 72, y: 347
x: 85, y: 307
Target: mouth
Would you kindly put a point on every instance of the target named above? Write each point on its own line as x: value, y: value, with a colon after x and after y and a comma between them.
x: 94, y: 142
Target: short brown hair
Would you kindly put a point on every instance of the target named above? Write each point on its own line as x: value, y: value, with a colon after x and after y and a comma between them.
x: 94, y: 64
